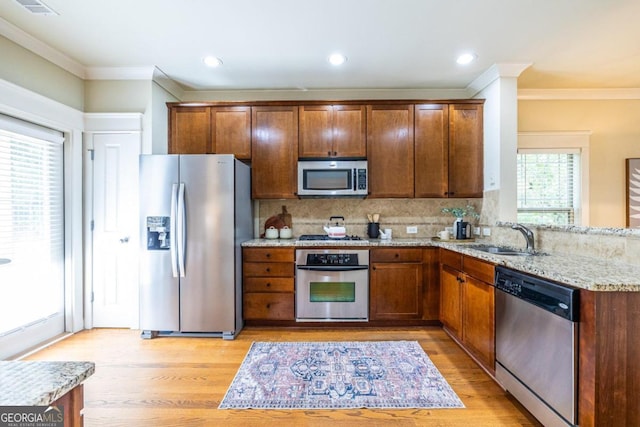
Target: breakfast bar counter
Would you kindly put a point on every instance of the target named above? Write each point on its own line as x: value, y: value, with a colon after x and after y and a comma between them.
x: 45, y: 383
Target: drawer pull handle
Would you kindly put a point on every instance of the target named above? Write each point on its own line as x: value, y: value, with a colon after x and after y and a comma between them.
x: 268, y: 255
x: 397, y: 255
x: 268, y: 285
x: 268, y: 305
x: 268, y: 270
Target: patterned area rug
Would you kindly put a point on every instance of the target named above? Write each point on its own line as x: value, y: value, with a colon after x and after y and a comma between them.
x: 333, y: 375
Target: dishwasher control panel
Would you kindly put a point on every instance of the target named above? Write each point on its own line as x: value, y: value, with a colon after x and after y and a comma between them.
x: 556, y: 298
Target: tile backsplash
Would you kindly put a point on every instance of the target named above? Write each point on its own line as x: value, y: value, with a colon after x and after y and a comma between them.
x: 310, y: 215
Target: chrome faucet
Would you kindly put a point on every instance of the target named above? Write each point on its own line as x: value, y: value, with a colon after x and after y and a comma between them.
x: 528, y: 235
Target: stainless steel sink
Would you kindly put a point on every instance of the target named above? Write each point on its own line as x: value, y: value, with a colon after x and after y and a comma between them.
x: 503, y: 250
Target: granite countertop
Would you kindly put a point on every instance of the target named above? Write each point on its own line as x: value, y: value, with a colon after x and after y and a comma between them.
x: 40, y: 383
x: 594, y: 274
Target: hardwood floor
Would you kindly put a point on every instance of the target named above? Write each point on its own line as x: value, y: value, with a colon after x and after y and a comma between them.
x: 177, y: 381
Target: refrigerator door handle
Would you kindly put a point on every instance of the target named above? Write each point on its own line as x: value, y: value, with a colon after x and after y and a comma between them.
x: 172, y: 231
x: 182, y: 238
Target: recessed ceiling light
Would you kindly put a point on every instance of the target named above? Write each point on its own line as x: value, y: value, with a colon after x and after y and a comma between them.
x: 212, y: 61
x: 337, y: 59
x: 466, y: 58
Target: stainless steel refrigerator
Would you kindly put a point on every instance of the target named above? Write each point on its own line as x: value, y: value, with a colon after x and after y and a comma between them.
x: 195, y: 211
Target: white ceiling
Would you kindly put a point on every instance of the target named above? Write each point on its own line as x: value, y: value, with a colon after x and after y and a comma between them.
x: 392, y: 44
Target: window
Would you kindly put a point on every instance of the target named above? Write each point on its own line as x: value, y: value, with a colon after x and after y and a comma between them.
x: 31, y: 235
x: 548, y: 188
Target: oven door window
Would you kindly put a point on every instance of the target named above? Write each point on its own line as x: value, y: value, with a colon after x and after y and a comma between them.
x: 332, y: 292
x: 327, y: 179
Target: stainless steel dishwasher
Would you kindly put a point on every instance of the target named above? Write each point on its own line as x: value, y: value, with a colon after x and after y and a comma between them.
x: 536, y: 345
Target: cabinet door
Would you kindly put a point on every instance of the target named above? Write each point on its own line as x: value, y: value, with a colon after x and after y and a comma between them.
x: 431, y: 150
x: 231, y: 131
x: 431, y: 284
x: 274, y: 152
x: 349, y: 131
x: 396, y: 291
x: 478, y: 320
x: 390, y: 150
x: 450, y: 300
x: 316, y: 131
x: 189, y: 130
x: 465, y: 151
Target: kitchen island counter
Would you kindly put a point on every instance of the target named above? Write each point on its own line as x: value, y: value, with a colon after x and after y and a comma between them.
x: 40, y: 383
x: 589, y: 273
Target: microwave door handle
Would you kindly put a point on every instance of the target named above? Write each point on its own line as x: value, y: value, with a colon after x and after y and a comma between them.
x: 355, y: 179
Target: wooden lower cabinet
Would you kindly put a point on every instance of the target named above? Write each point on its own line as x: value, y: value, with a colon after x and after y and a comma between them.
x: 403, y: 284
x: 467, y: 304
x: 268, y: 284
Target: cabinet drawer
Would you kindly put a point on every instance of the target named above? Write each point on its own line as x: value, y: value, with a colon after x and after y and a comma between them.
x: 268, y: 284
x: 269, y: 306
x: 396, y: 255
x: 267, y: 255
x: 479, y: 269
x: 268, y: 269
x: 450, y: 258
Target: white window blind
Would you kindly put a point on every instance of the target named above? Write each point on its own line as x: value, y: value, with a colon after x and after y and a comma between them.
x: 31, y: 227
x: 548, y: 186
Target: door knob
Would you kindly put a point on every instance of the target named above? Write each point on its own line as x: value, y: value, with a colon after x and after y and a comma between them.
x: 124, y: 239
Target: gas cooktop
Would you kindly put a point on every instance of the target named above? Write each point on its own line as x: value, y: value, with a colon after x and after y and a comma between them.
x: 325, y: 237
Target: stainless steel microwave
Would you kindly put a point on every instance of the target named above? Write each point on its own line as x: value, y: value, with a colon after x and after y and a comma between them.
x: 332, y: 178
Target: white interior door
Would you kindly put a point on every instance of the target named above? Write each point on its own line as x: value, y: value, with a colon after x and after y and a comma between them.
x: 115, y: 229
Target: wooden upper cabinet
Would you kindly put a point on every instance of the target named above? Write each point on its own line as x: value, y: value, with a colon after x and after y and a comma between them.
x: 465, y: 150
x: 332, y: 131
x: 231, y: 131
x: 189, y: 130
x: 431, y: 150
x: 390, y: 150
x: 274, y: 152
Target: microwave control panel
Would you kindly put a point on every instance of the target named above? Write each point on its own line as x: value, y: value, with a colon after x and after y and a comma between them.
x: 361, y: 179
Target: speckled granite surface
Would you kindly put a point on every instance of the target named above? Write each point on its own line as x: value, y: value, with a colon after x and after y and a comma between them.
x: 39, y: 383
x: 595, y: 274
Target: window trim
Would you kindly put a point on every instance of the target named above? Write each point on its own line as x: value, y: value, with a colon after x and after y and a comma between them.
x: 564, y: 140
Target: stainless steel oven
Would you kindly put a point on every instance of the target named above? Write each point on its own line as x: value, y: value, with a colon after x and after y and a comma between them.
x: 332, y: 285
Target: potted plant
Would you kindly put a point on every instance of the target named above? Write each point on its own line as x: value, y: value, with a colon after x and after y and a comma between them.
x: 460, y: 212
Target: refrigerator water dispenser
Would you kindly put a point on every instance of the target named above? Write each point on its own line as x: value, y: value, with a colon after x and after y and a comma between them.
x: 158, y: 237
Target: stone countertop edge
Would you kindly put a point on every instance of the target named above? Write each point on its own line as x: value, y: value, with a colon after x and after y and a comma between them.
x: 589, y: 273
x: 40, y: 383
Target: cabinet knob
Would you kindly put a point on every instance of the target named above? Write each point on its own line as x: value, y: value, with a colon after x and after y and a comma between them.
x: 268, y: 270
x: 268, y: 255
x: 268, y: 285
x: 268, y: 305
x: 373, y: 268
x: 397, y: 255
x: 335, y: 153
x: 328, y: 153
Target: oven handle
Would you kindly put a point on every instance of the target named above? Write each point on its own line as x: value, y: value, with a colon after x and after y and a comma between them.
x: 332, y: 267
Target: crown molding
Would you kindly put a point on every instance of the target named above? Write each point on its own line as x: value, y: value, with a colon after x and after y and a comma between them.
x: 40, y: 48
x: 493, y: 73
x: 167, y: 83
x: 119, y: 73
x: 577, y: 94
